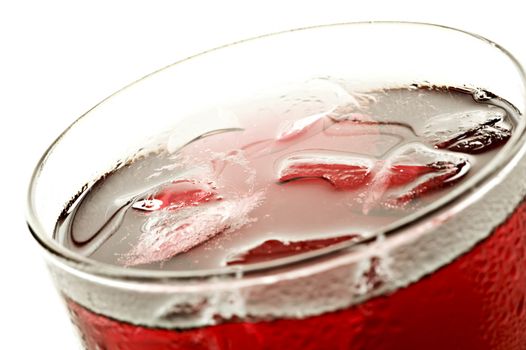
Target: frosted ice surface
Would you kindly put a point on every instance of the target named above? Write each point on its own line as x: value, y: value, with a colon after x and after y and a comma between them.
x: 473, y: 131
x: 167, y: 233
x: 342, y: 170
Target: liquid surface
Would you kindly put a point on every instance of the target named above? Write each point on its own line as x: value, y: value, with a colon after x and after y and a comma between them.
x: 476, y: 302
x: 285, y: 174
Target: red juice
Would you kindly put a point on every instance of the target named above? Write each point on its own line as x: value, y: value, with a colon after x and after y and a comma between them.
x: 475, y: 302
x: 315, y: 169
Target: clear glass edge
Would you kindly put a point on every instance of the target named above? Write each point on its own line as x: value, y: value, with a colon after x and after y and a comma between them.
x: 78, y: 263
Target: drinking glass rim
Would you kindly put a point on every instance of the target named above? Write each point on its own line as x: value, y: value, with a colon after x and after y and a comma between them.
x: 83, y: 264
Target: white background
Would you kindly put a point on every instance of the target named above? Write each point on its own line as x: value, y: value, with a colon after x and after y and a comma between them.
x: 58, y: 58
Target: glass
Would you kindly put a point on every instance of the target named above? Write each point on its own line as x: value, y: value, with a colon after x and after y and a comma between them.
x: 456, y: 273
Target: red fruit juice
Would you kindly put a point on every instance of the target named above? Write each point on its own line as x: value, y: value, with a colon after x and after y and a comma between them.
x: 300, y: 172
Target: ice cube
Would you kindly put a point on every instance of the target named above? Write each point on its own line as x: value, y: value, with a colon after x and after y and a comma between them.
x: 323, y: 95
x: 412, y: 170
x: 235, y: 161
x: 167, y: 233
x: 302, y: 112
x: 343, y: 109
x: 474, y: 131
x: 175, y: 195
x: 343, y: 170
x: 367, y: 134
x: 275, y: 249
x: 315, y: 100
x: 290, y: 129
